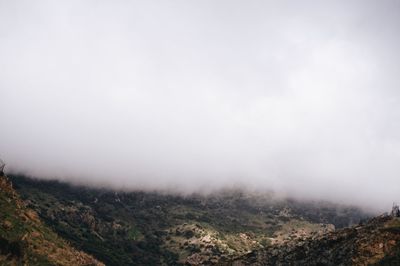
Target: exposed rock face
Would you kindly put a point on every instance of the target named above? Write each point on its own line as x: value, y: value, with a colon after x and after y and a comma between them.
x: 377, y: 242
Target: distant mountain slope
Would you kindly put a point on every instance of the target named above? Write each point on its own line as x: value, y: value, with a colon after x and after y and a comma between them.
x: 25, y: 240
x: 144, y: 228
x: 375, y: 243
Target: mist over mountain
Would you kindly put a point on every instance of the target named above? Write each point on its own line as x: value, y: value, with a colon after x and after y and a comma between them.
x: 301, y: 98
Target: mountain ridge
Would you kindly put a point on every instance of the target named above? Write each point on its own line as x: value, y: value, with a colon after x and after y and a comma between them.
x: 144, y: 228
x: 147, y: 228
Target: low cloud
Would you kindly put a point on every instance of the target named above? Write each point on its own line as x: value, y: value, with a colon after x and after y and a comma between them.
x: 300, y: 98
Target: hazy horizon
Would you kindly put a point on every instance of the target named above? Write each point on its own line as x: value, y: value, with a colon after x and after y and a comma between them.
x: 190, y: 96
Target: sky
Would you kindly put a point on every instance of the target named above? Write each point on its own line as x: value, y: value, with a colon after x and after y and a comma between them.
x: 298, y: 97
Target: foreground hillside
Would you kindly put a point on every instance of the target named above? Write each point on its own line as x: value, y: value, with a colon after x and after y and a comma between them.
x: 375, y: 243
x: 25, y: 240
x: 142, y: 228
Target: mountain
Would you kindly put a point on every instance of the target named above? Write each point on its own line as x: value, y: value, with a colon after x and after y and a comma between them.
x: 377, y: 242
x: 26, y: 240
x: 149, y: 228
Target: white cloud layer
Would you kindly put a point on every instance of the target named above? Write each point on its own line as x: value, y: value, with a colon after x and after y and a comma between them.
x: 300, y: 97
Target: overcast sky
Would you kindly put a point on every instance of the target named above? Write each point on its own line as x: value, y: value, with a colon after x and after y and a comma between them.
x: 301, y: 97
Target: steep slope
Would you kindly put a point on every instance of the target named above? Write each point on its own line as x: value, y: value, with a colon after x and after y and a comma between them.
x: 375, y: 243
x: 143, y: 228
x: 25, y: 240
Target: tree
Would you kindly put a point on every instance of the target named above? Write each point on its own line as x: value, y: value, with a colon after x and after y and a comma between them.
x: 2, y: 165
x: 395, y: 210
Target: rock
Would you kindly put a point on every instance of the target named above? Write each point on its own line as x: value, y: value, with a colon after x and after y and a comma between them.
x: 35, y: 234
x: 7, y: 224
x: 32, y: 215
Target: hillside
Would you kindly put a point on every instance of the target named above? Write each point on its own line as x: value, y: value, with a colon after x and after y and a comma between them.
x: 376, y: 242
x: 25, y: 240
x: 148, y: 228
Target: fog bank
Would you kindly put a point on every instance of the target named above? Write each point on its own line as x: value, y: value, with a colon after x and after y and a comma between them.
x: 297, y: 97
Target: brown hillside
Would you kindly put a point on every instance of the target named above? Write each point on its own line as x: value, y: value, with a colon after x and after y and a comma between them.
x: 24, y: 239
